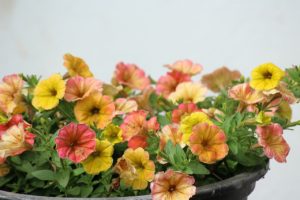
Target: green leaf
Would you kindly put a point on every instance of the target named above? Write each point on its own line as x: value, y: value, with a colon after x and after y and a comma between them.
x: 233, y: 146
x: 78, y: 171
x: 74, y: 191
x: 85, y: 191
x: 62, y: 177
x: 163, y: 120
x: 44, y: 175
x: 198, y: 168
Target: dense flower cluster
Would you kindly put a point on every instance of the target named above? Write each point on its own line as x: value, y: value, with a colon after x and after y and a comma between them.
x: 80, y: 136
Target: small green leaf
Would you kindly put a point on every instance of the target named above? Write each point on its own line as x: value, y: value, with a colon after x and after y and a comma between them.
x: 74, y: 191
x: 62, y: 177
x: 44, y: 175
x: 86, y: 190
x: 78, y: 171
x: 233, y: 146
x: 198, y: 168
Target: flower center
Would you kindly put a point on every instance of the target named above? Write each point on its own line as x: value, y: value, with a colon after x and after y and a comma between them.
x: 94, y: 111
x: 172, y: 188
x: 267, y: 75
x: 53, y: 92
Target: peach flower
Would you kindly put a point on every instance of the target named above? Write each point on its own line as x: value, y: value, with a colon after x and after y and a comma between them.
x: 76, y: 66
x: 124, y: 106
x: 183, y: 110
x: 186, y: 66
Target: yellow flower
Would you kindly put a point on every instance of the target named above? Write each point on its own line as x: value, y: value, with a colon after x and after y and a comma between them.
x: 48, y: 92
x: 101, y: 160
x: 284, y: 111
x: 266, y: 76
x: 187, y: 124
x: 263, y: 119
x: 76, y: 66
x: 96, y: 108
x: 113, y: 134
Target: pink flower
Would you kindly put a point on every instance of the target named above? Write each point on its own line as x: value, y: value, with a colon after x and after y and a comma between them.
x: 124, y: 106
x: 183, y: 110
x: 171, y: 185
x: 243, y: 92
x: 76, y: 142
x: 78, y: 88
x: 136, y: 127
x: 271, y: 139
x: 15, y: 120
x: 186, y: 67
x: 131, y: 76
x: 168, y: 83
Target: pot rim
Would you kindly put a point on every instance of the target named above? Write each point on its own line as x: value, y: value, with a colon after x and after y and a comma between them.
x: 236, y: 181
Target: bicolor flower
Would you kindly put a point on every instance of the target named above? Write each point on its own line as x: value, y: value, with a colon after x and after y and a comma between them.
x: 186, y: 67
x: 112, y: 133
x: 76, y: 66
x: 124, y: 106
x: 183, y: 110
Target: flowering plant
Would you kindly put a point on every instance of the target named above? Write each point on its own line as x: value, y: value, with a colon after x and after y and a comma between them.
x: 74, y: 135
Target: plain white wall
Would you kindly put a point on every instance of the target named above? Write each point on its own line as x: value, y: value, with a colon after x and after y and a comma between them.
x: 34, y: 35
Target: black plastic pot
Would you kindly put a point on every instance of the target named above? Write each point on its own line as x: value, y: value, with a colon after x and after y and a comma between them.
x: 236, y: 188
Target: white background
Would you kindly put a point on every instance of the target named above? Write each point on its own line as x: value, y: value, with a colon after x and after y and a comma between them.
x: 34, y: 35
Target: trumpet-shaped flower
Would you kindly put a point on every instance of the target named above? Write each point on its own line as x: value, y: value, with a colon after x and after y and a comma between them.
x: 131, y: 76
x: 135, y: 168
x: 124, y: 106
x: 266, y: 76
x: 186, y: 67
x: 78, y: 88
x: 183, y: 110
x: 208, y: 142
x: 95, y: 109
x: 168, y: 83
x: 48, y: 92
x: 11, y: 100
x: 112, y: 133
x: 101, y: 159
x: 187, y: 124
x: 143, y: 99
x: 14, y: 120
x: 271, y: 139
x: 244, y: 93
x: 76, y: 66
x: 75, y: 142
x: 171, y: 185
x: 188, y: 92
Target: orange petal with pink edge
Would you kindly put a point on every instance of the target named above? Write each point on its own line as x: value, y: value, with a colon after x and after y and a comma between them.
x: 124, y: 106
x: 243, y: 92
x: 186, y: 66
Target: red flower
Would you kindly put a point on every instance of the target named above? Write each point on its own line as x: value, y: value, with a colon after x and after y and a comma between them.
x: 183, y: 110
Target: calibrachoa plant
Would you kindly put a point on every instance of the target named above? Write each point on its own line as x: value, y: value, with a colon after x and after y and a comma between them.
x: 74, y: 135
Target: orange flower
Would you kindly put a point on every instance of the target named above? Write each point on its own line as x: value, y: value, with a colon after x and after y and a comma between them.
x: 135, y: 168
x: 131, y: 76
x: 271, y: 139
x: 76, y: 66
x: 95, y: 109
x: 243, y: 92
x: 183, y: 110
x: 220, y: 79
x: 168, y: 83
x: 281, y: 91
x: 143, y: 99
x: 124, y: 106
x: 11, y: 100
x: 172, y: 185
x: 186, y: 67
x: 213, y: 113
x: 78, y: 88
x: 208, y: 142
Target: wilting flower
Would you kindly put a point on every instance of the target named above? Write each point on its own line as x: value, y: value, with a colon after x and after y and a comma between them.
x: 186, y: 67
x: 131, y: 76
x: 78, y: 88
x: 188, y: 92
x: 284, y: 111
x: 124, y: 106
x: 281, y: 91
x: 112, y: 133
x: 168, y: 83
x: 182, y: 111
x: 14, y: 120
x: 48, y: 92
x: 213, y: 113
x: 266, y: 76
x: 95, y: 109
x: 271, y: 139
x: 135, y: 168
x: 101, y: 159
x: 11, y: 100
x: 14, y: 141
x: 220, y: 79
x: 143, y: 99
x: 76, y: 66
x: 171, y: 185
x: 187, y: 124
x: 75, y: 142
x: 111, y: 90
x: 4, y: 169
x: 208, y: 142
x: 135, y: 128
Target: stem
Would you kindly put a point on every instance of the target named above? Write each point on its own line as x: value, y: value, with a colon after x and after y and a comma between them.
x: 216, y: 176
x: 292, y: 124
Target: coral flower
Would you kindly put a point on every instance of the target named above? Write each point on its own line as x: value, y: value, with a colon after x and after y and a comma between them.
x: 143, y: 100
x: 48, y: 92
x: 11, y: 94
x: 220, y: 79
x: 168, y: 83
x: 183, y: 110
x: 281, y: 91
x: 78, y: 88
x: 171, y: 185
x: 75, y: 142
x: 14, y: 120
x: 271, y: 139
x: 112, y: 133
x: 135, y: 168
x: 100, y: 160
x: 131, y: 76
x: 208, y: 142
x: 4, y: 169
x: 266, y: 76
x: 124, y: 106
x: 95, y: 109
x: 76, y: 66
x: 136, y: 127
x: 187, y: 124
x: 186, y: 67
x: 188, y: 92
x: 243, y: 92
x: 14, y: 141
